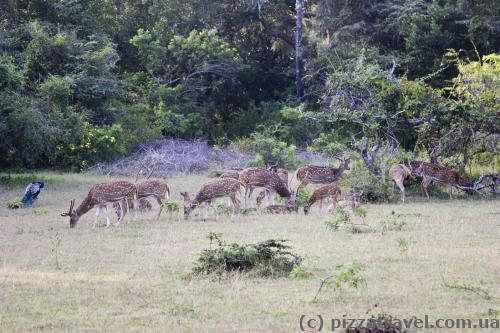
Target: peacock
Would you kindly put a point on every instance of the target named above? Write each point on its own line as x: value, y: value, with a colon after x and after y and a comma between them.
x: 31, y: 193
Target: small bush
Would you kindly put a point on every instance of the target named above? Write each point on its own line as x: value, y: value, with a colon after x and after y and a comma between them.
x: 302, y: 196
x: 14, y: 204
x: 300, y: 273
x: 171, y: 206
x: 339, y: 217
x: 270, y: 258
x: 374, y: 190
x: 346, y: 275
x: 393, y: 222
x: 223, y: 209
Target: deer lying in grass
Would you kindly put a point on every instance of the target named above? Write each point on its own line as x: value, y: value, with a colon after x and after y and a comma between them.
x: 100, y: 195
x: 349, y: 206
x: 399, y: 173
x: 434, y: 172
x: 290, y: 208
x: 320, y: 174
x: 222, y: 187
x: 328, y: 191
x: 149, y: 188
x: 269, y: 179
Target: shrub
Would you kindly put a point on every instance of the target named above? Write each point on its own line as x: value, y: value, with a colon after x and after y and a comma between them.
x: 300, y: 273
x: 14, y: 204
x: 270, y: 258
x: 223, y: 209
x: 349, y: 274
x: 339, y: 217
x: 171, y: 206
x: 374, y: 189
x: 302, y: 196
x: 393, y: 222
x: 268, y: 148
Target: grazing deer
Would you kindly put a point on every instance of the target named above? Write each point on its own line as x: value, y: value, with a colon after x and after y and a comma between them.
x: 99, y: 195
x: 283, y: 174
x: 209, y: 191
x: 399, y: 173
x: 328, y: 191
x: 350, y: 206
x: 320, y: 174
x: 260, y: 177
x: 149, y: 188
x: 434, y: 172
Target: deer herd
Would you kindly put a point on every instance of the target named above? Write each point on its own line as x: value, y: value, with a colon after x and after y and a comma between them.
x: 125, y: 195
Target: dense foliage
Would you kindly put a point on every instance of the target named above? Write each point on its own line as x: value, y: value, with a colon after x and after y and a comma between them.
x: 86, y: 81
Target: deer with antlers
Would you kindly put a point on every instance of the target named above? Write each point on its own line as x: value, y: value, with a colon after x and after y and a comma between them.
x: 100, y: 195
x: 328, y: 191
x: 149, y: 188
x: 221, y: 187
x: 320, y: 174
x: 269, y: 179
x: 399, y: 173
x: 434, y: 172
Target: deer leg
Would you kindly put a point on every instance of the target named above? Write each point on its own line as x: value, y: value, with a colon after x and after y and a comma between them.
x: 108, y: 222
x: 205, y: 211
x: 136, y: 205
x: 450, y: 190
x: 425, y: 183
x: 161, y: 207
x: 250, y: 192
x: 121, y: 211
x: 215, y: 210
x: 401, y: 186
x: 97, y: 212
x: 272, y: 194
x: 236, y: 203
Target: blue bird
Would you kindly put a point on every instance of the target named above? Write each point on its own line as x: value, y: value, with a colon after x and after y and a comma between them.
x: 31, y: 193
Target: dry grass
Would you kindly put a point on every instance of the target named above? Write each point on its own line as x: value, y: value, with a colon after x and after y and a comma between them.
x: 132, y: 277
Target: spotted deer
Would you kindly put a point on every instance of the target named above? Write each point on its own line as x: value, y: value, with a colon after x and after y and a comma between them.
x: 399, y: 173
x: 269, y: 179
x: 349, y: 206
x: 320, y: 174
x: 328, y: 191
x: 209, y: 191
x: 149, y: 188
x: 235, y: 174
x: 100, y: 195
x: 283, y: 174
x: 281, y: 209
x: 434, y: 172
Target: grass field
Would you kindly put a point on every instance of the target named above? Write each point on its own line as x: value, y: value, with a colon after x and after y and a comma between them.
x: 133, y: 277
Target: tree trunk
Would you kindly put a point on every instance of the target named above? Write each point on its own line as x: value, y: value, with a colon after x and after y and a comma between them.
x: 298, y: 50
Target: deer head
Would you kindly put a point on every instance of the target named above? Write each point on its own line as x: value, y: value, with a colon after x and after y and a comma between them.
x: 344, y: 163
x: 73, y: 216
x: 357, y: 196
x: 188, y: 205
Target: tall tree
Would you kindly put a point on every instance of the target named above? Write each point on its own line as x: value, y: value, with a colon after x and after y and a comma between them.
x: 298, y: 50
